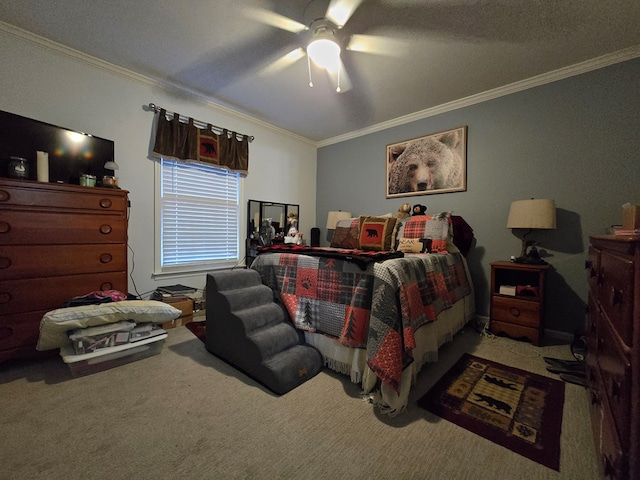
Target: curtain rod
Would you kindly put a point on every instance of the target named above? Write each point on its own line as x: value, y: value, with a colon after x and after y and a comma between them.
x: 155, y: 108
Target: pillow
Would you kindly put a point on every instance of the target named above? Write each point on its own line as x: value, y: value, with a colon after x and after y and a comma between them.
x: 376, y: 233
x: 349, y: 222
x: 54, y: 324
x: 345, y: 238
x: 414, y: 245
x: 437, y: 227
x: 346, y: 234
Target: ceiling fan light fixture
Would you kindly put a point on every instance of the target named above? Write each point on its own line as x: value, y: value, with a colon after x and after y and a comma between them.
x: 324, y: 51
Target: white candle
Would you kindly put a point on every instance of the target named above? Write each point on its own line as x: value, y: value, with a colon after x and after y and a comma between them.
x: 256, y: 221
x: 42, y: 166
x: 282, y: 221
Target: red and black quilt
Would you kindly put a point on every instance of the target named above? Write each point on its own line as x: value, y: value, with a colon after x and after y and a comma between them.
x: 378, y: 308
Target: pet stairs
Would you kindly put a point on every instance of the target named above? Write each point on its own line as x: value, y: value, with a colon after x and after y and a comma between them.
x: 248, y: 330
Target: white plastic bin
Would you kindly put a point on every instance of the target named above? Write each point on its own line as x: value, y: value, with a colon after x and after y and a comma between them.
x: 106, y: 358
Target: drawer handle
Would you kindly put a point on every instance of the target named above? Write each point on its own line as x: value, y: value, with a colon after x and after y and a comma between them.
x: 5, y: 227
x: 5, y: 297
x: 588, y: 265
x: 515, y: 311
x: 617, y: 296
x: 105, y: 203
x: 616, y: 388
x: 5, y: 262
x: 4, y: 196
x: 105, y: 229
x: 106, y: 286
x: 607, y: 465
x: 105, y: 258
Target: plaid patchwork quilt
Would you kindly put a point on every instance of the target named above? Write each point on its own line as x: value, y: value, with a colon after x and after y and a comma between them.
x: 378, y: 308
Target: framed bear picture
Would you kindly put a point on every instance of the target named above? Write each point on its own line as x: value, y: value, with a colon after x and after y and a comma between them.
x: 435, y: 163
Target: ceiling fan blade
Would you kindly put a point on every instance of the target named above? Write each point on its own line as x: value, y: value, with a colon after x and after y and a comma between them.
x: 339, y: 78
x: 283, y: 62
x: 274, y: 19
x: 340, y: 11
x: 378, y: 45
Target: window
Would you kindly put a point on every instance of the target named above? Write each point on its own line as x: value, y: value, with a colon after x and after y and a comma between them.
x: 199, y: 217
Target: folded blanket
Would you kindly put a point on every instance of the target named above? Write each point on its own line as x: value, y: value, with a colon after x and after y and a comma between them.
x: 362, y: 258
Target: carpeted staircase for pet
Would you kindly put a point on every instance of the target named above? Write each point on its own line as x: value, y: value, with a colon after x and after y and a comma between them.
x: 247, y: 329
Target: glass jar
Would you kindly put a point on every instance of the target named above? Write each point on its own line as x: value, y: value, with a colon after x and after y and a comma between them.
x: 88, y: 180
x: 109, y: 181
x: 18, y: 168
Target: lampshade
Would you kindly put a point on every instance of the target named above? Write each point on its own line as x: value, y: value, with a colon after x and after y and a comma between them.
x: 111, y: 165
x: 334, y: 217
x: 534, y: 214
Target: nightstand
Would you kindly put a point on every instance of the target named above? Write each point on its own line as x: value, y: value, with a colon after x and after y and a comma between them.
x: 517, y: 300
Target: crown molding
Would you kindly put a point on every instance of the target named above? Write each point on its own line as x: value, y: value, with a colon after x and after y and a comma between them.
x: 169, y: 87
x: 543, y: 79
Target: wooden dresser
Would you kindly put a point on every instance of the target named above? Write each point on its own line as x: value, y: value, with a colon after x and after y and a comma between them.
x: 56, y: 242
x: 613, y: 359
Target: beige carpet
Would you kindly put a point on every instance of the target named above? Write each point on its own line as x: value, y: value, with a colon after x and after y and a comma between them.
x: 186, y: 414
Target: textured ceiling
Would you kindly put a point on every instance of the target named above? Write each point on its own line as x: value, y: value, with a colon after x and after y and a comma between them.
x: 443, y: 50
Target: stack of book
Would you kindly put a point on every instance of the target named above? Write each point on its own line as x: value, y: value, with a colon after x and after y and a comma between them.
x: 622, y: 231
x: 173, y: 291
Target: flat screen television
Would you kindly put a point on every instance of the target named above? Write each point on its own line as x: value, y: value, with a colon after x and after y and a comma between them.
x: 71, y: 154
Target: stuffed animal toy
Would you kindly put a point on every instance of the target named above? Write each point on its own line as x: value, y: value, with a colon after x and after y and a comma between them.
x: 293, y: 235
x: 419, y: 209
x: 404, y: 211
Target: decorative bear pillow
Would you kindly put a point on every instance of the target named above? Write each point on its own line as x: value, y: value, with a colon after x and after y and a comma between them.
x: 376, y: 233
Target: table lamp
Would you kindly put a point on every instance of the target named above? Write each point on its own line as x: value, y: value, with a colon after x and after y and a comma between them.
x: 531, y: 214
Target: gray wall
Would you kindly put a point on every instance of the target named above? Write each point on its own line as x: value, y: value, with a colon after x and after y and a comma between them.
x: 575, y: 141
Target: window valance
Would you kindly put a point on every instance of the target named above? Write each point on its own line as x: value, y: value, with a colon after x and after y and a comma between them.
x: 184, y: 141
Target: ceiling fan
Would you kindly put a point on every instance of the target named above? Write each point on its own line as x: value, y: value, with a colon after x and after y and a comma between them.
x: 322, y: 40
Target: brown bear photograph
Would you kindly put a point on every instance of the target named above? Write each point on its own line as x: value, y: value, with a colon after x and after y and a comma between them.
x: 435, y: 163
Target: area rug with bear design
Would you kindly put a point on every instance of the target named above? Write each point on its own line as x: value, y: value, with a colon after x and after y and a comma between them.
x: 519, y: 410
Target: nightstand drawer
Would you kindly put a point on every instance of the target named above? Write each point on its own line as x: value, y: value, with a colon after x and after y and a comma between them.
x: 511, y: 310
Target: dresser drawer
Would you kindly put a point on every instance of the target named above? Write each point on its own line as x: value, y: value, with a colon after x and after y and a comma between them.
x: 616, y: 293
x: 27, y: 295
x: 613, y: 461
x: 32, y: 228
x: 511, y: 310
x: 33, y: 261
x: 19, y: 329
x: 67, y: 197
x: 596, y: 396
x: 594, y: 320
x: 615, y: 370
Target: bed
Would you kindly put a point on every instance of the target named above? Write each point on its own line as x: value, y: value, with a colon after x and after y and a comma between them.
x: 379, y: 302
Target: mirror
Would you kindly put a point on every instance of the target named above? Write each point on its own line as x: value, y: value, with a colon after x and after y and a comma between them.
x: 268, y: 223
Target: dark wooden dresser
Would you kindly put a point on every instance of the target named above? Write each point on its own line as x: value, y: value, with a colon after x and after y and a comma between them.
x: 613, y: 359
x: 56, y: 242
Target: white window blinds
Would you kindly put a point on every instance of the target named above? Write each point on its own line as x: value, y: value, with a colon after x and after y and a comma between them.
x: 199, y: 216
